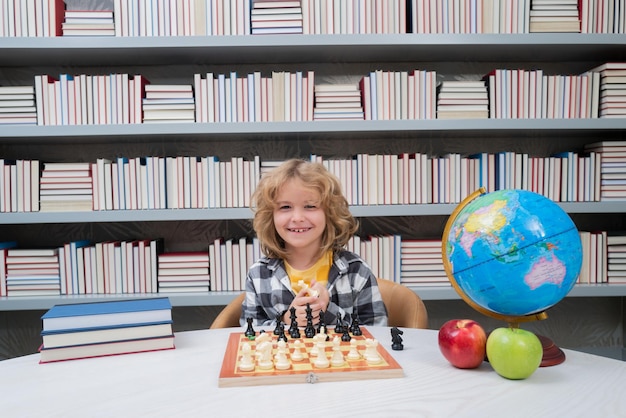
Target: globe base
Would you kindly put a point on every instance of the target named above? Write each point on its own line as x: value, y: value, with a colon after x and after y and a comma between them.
x: 552, y: 354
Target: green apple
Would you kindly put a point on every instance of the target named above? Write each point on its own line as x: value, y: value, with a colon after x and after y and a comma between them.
x: 514, y: 353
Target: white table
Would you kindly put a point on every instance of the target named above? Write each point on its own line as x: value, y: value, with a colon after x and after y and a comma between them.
x: 183, y: 383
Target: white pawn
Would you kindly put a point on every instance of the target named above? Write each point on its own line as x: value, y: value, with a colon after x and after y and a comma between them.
x: 322, y: 360
x: 246, y: 364
x: 281, y: 362
x: 297, y: 351
x: 353, y: 354
x: 337, y: 359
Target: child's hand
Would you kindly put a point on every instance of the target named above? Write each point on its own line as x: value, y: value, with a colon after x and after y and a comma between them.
x: 316, y: 296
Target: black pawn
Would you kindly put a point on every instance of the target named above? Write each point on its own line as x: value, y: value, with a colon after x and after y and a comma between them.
x: 346, y: 335
x: 355, y: 329
x: 250, y: 332
x: 282, y: 335
x: 322, y: 323
x: 280, y: 325
x: 339, y: 325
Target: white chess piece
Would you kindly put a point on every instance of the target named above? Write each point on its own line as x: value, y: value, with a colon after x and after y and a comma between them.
x: 337, y: 359
x: 246, y: 364
x: 353, y: 354
x: 297, y: 351
x: 281, y: 361
x: 264, y: 353
x: 371, y: 352
x: 322, y: 360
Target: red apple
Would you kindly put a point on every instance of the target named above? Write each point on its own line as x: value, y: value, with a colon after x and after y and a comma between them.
x: 462, y: 342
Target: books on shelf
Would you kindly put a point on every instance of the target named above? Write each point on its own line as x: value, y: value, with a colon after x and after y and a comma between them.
x: 88, y: 23
x: 462, y: 100
x: 66, y: 187
x: 276, y: 17
x: 17, y: 105
x: 337, y: 102
x: 184, y: 272
x: 31, y: 272
x: 547, y: 16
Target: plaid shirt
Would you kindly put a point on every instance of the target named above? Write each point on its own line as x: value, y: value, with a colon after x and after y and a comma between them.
x: 351, y: 284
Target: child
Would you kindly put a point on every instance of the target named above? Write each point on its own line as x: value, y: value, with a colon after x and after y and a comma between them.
x: 303, y: 223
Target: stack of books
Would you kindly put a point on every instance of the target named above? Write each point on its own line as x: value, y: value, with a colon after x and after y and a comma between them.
x: 276, y: 17
x: 462, y: 100
x: 616, y: 258
x: 168, y: 103
x: 66, y: 187
x: 338, y: 102
x: 422, y: 263
x: 554, y: 16
x: 88, y: 23
x: 612, y: 89
x: 32, y: 272
x: 612, y: 168
x: 17, y: 105
x: 184, y: 272
x: 98, y: 329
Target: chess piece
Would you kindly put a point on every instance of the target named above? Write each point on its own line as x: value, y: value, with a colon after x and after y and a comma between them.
x: 294, y: 331
x: 281, y: 362
x: 280, y: 325
x: 250, y: 332
x: 297, y: 351
x: 264, y: 353
x: 337, y: 359
x: 322, y: 360
x: 355, y: 328
x: 371, y: 351
x: 309, y: 330
x: 246, y: 363
x: 396, y: 339
x: 346, y: 335
x: 353, y: 354
x: 322, y: 323
x: 339, y: 325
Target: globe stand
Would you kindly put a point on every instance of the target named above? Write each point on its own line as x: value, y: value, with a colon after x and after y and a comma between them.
x: 552, y: 354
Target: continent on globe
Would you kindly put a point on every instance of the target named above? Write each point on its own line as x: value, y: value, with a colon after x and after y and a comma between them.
x: 545, y: 271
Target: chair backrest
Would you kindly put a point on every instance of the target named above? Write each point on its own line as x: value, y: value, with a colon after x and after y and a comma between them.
x: 229, y: 316
x: 404, y: 307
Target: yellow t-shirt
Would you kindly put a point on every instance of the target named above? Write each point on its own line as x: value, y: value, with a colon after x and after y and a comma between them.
x: 318, y: 271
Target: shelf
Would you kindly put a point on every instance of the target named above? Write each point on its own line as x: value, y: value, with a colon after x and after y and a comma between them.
x: 174, y: 215
x: 311, y: 130
x: 223, y: 298
x: 251, y: 49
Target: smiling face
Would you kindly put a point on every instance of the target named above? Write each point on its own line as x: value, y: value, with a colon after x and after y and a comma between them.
x: 300, y: 221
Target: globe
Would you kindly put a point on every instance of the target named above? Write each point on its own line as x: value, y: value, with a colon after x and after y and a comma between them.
x: 511, y: 254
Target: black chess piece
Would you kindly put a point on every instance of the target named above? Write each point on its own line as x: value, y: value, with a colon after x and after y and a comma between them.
x: 309, y: 330
x: 250, y: 332
x: 355, y: 328
x: 396, y: 339
x: 281, y: 335
x: 322, y: 323
x: 280, y: 325
x: 346, y: 335
x: 294, y: 331
x: 339, y: 325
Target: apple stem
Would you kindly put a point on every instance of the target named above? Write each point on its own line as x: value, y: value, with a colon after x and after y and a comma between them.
x: 514, y: 325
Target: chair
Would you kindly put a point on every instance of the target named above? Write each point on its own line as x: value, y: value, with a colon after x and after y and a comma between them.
x: 229, y: 316
x: 404, y: 307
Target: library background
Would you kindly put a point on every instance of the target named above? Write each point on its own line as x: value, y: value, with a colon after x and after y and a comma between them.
x: 133, y: 133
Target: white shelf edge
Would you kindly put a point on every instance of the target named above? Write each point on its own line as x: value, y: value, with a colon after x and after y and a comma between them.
x: 430, y: 293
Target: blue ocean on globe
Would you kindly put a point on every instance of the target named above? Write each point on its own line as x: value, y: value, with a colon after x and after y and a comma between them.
x: 512, y: 252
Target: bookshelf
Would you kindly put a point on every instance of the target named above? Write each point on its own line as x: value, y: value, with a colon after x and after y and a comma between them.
x: 21, y: 58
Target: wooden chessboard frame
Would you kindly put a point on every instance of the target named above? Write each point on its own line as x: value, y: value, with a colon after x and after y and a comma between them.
x: 304, y: 371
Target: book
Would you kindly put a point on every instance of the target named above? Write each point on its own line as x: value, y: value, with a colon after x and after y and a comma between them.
x: 105, y: 349
x: 53, y: 339
x: 103, y: 314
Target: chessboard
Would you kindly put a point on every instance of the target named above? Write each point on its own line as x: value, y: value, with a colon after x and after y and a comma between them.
x: 307, y: 369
